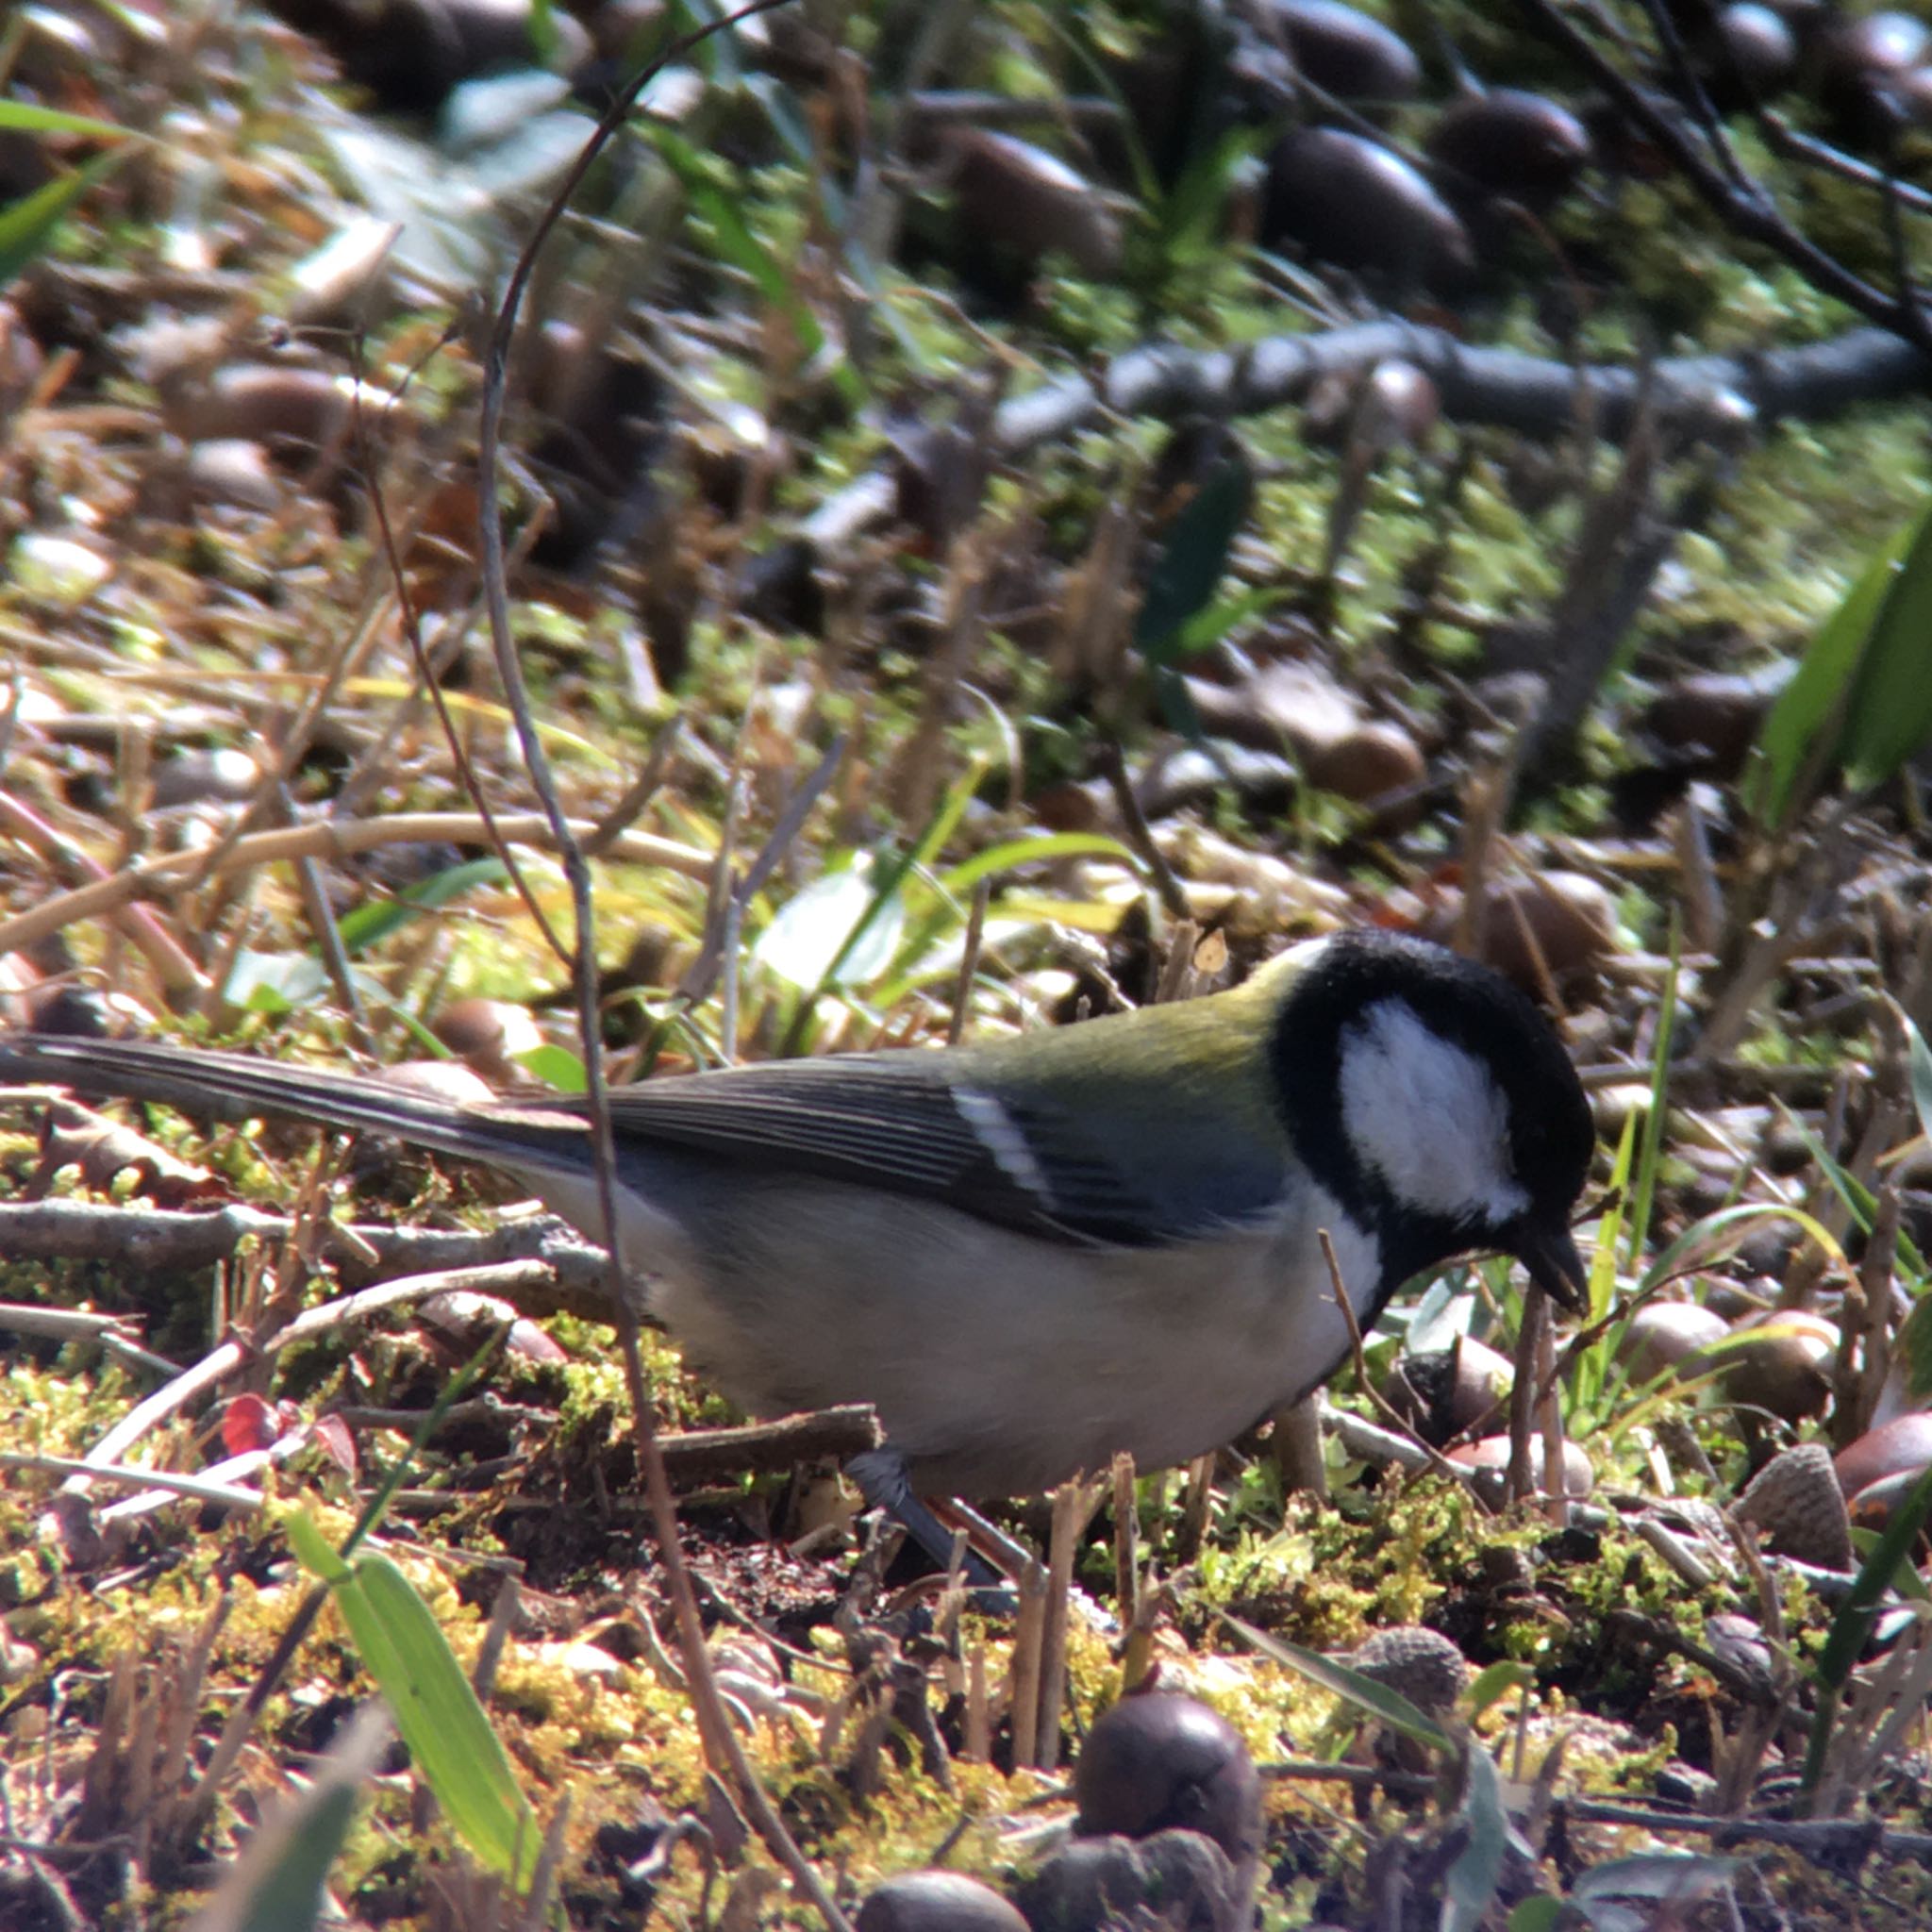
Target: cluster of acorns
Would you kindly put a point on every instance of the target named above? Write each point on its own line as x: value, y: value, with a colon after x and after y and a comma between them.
x: 1168, y: 1833
x: 1425, y: 215
x: 1422, y: 214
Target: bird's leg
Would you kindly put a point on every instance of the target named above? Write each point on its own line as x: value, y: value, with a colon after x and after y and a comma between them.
x: 880, y: 1474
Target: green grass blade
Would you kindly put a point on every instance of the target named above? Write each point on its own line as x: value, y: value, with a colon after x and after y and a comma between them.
x: 742, y: 249
x: 1372, y: 1698
x: 437, y: 1712
x: 363, y: 926
x: 22, y: 117
x: 1650, y: 1152
x: 1699, y: 1241
x: 1922, y: 1077
x: 1856, y: 1196
x: 1012, y: 854
x: 27, y: 226
x: 275, y: 1882
x: 1852, y: 1626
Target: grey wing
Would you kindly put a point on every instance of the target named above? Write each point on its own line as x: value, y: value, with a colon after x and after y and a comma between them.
x: 904, y: 1122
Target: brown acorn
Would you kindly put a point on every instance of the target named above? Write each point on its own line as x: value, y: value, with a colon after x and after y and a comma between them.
x: 1016, y: 200
x: 1784, y: 1367
x: 1712, y: 717
x: 1162, y: 1761
x: 1858, y: 64
x: 1873, y: 1505
x: 488, y: 1034
x: 1523, y: 146
x: 1444, y: 1394
x: 1360, y: 205
x: 1755, y: 52
x: 233, y: 473
x: 298, y: 413
x: 1397, y: 405
x: 1367, y: 763
x: 1669, y: 1335
x: 448, y: 1081
x: 1343, y: 50
x: 224, y: 776
x: 1903, y: 1446
x: 1539, y: 926
x: 937, y: 1902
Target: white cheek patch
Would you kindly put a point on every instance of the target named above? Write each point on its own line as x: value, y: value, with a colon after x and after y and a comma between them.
x: 1428, y: 1117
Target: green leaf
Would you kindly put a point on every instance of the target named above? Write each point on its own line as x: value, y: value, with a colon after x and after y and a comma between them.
x: 1856, y: 1196
x: 1372, y: 1697
x: 739, y: 247
x: 1223, y: 617
x: 1541, y: 1913
x: 274, y: 1883
x: 363, y: 926
x: 1470, y: 1888
x: 1189, y: 215
x: 1910, y: 1587
x: 22, y: 117
x: 1852, y: 1626
x: 1182, y: 577
x: 290, y: 1898
x: 1012, y: 854
x: 1700, y: 1240
x: 1922, y: 1079
x: 27, y: 225
x: 559, y: 1068
x: 437, y: 1711
x: 543, y: 31
x: 1497, y: 1682
x: 1859, y: 698
x: 1913, y: 1348
x: 1602, y: 1263
x: 834, y: 932
x: 313, y: 1550
x: 1888, y: 715
x: 1650, y: 1153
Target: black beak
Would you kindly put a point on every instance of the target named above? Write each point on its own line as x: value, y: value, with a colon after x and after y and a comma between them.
x: 1556, y: 1267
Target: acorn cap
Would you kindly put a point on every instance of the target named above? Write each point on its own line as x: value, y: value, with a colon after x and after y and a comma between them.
x: 1421, y: 1664
x: 1176, y: 1879
x: 1795, y: 1500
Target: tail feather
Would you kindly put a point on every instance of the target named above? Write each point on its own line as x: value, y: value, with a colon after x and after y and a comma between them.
x: 540, y: 1139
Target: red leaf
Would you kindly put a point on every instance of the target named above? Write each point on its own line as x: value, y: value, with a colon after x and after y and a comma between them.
x: 249, y: 1422
x: 332, y: 1434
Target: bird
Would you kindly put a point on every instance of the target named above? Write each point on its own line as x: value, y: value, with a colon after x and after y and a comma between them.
x: 1032, y: 1252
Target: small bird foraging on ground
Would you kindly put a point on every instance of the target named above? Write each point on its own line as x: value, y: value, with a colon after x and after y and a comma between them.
x: 1031, y: 1254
